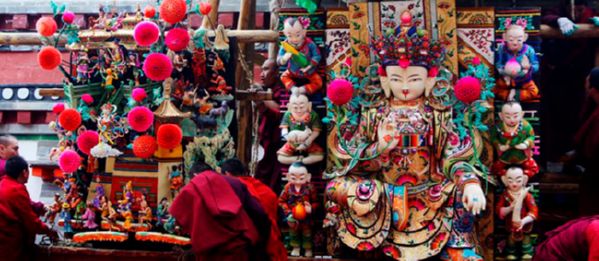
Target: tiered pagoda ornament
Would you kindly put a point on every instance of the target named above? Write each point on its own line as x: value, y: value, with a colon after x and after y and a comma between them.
x: 408, y: 175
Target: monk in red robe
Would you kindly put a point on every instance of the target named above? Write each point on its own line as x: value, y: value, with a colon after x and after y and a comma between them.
x: 269, y: 201
x: 18, y: 222
x: 575, y: 240
x: 222, y: 219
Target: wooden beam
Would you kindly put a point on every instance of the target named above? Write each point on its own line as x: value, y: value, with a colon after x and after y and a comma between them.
x: 23, y: 39
x: 584, y: 31
x: 243, y: 36
x: 247, y: 95
x: 244, y: 108
x: 52, y: 92
x: 212, y: 17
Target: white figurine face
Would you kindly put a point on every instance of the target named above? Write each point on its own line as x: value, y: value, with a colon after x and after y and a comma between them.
x: 514, y: 179
x: 406, y: 84
x: 295, y: 33
x: 299, y: 105
x: 511, y: 114
x: 515, y: 38
x: 298, y: 175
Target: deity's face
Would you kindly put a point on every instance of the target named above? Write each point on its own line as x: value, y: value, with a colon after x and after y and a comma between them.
x: 514, y: 179
x: 295, y: 33
x: 299, y: 105
x: 511, y: 114
x: 406, y: 84
x: 515, y: 37
x: 298, y: 175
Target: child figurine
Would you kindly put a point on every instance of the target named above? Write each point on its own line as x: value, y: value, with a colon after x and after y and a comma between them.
x: 82, y: 68
x: 516, y: 62
x: 55, y: 209
x: 162, y: 212
x: 301, y: 57
x: 127, y: 200
x: 520, y: 203
x: 176, y: 180
x: 90, y: 217
x: 514, y: 140
x: 298, y: 201
x: 300, y: 127
x: 66, y: 217
x: 144, y: 214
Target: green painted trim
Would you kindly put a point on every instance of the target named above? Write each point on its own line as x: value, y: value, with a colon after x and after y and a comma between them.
x: 36, y: 137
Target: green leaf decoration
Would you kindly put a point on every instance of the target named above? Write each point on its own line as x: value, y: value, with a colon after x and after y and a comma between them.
x: 309, y: 5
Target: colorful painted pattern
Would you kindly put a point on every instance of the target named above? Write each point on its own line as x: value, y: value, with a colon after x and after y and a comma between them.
x: 391, y: 12
x: 446, y: 24
x: 476, y: 35
x: 338, y: 47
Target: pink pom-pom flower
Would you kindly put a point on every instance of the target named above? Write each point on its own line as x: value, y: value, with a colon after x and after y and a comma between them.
x: 58, y: 108
x: 140, y: 118
x: 467, y: 89
x: 157, y: 67
x: 69, y: 161
x: 340, y: 91
x: 87, y: 140
x: 146, y: 33
x: 87, y: 98
x: 139, y: 94
x: 68, y: 17
x: 177, y: 39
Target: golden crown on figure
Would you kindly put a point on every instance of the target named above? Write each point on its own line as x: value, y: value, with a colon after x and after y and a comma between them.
x: 408, y: 45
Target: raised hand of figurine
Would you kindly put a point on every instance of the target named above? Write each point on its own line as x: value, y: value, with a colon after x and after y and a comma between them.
x: 521, y: 146
x: 306, y: 69
x: 308, y: 207
x: 286, y: 57
x: 504, y: 211
x: 566, y: 26
x: 504, y: 147
x: 474, y: 199
x: 386, y: 134
x: 525, y: 221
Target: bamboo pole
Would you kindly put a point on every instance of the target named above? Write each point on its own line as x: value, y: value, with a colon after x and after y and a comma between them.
x: 243, y: 36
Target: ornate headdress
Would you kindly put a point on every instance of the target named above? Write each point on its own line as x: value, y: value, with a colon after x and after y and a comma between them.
x: 408, y: 46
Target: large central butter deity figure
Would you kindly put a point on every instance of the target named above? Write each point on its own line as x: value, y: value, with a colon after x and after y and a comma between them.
x: 404, y: 180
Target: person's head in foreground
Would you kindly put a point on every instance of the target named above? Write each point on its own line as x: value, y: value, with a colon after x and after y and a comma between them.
x: 18, y: 169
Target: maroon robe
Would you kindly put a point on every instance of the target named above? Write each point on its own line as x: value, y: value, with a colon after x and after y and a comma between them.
x: 209, y: 209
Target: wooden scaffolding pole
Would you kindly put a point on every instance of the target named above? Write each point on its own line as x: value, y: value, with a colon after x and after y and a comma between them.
x: 243, y: 36
x: 247, y: 18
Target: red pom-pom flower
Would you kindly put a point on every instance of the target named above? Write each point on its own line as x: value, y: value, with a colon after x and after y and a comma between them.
x: 87, y: 140
x: 169, y: 136
x: 149, y: 11
x: 49, y: 58
x: 467, y: 89
x: 173, y: 11
x: 144, y: 146
x: 69, y: 119
x: 177, y: 39
x: 157, y: 67
x: 146, y: 33
x: 46, y: 26
x: 69, y: 161
x: 205, y: 8
x: 138, y: 94
x: 140, y: 118
x: 340, y: 91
